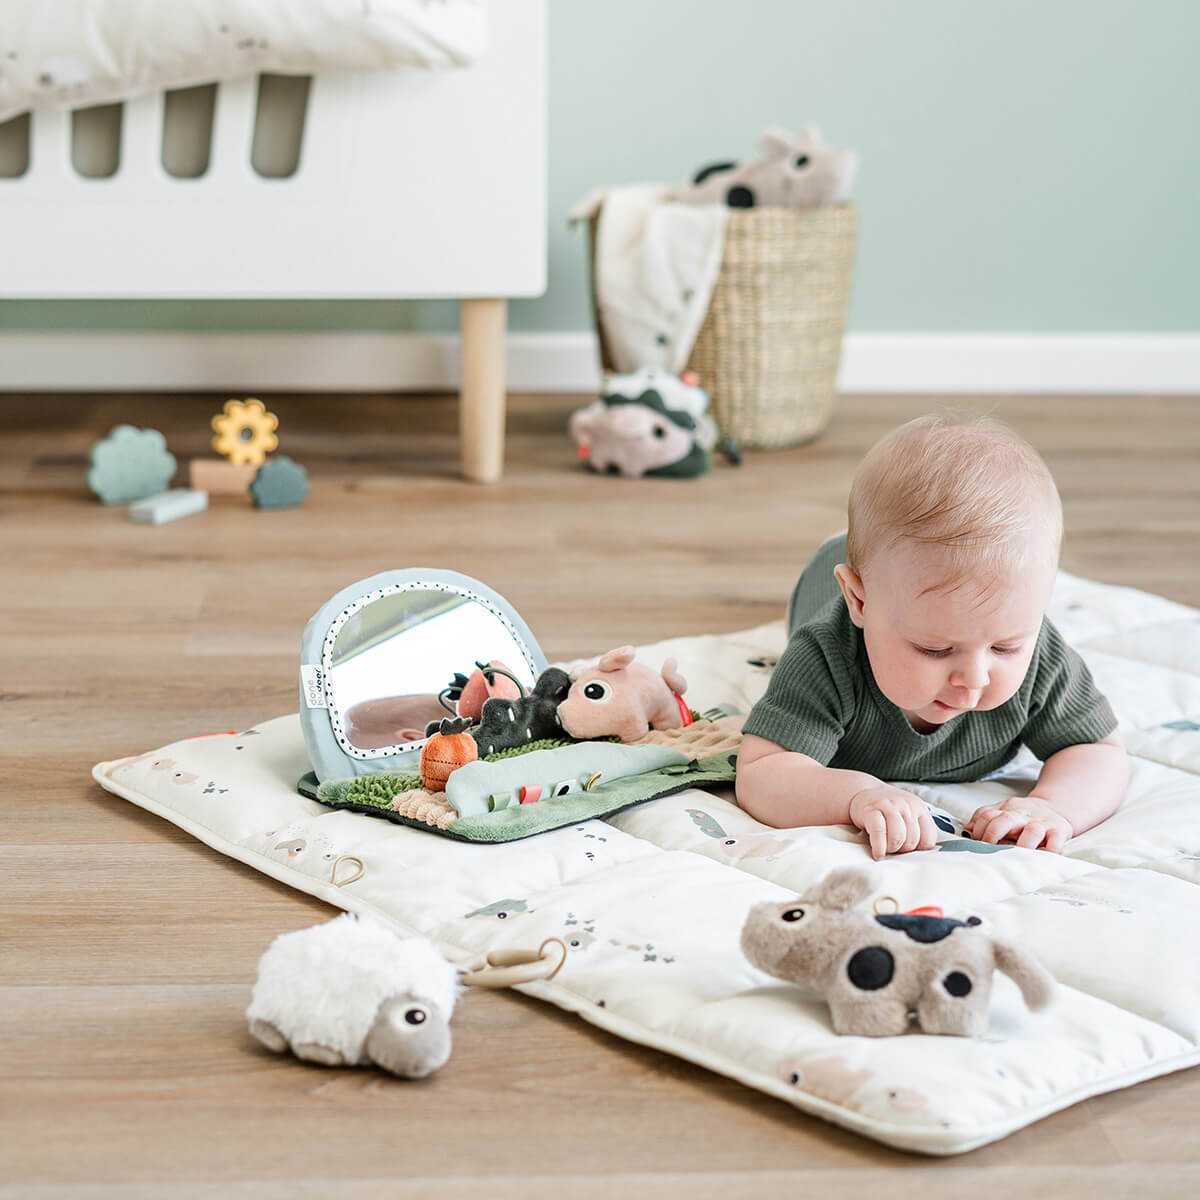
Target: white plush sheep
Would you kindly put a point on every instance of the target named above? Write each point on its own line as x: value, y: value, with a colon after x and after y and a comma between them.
x: 352, y: 991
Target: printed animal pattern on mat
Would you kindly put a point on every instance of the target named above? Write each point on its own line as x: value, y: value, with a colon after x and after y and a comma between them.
x: 579, y: 933
x: 971, y: 846
x: 831, y: 1078
x: 158, y: 763
x: 300, y: 846
x: 754, y: 845
x: 501, y: 910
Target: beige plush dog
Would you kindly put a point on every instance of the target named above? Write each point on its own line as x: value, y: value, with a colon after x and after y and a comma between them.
x: 875, y: 969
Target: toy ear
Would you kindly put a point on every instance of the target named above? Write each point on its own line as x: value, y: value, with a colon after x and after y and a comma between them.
x: 777, y: 143
x: 810, y: 139
x: 843, y: 888
x: 614, y: 660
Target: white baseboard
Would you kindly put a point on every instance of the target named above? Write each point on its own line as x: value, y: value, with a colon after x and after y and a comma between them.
x: 930, y: 363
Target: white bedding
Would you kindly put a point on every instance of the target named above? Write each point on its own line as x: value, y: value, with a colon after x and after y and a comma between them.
x: 652, y: 900
x: 72, y: 53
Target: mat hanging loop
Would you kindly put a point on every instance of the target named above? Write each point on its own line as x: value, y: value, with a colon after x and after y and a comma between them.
x: 350, y: 858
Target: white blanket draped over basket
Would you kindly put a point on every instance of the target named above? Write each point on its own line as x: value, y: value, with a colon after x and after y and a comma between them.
x: 652, y: 900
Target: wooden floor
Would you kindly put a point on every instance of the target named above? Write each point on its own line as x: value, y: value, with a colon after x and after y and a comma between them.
x: 127, y: 949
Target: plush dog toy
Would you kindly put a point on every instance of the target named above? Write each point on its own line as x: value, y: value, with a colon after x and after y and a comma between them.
x: 874, y: 969
x: 619, y: 697
x: 647, y: 423
x: 797, y: 173
x: 350, y: 992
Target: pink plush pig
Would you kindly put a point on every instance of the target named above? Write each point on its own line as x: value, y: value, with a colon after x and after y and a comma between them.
x: 622, y: 698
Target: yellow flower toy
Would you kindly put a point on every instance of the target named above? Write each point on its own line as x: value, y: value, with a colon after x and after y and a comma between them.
x: 245, y: 432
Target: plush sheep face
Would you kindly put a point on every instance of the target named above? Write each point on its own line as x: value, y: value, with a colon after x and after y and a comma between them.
x: 410, y: 1037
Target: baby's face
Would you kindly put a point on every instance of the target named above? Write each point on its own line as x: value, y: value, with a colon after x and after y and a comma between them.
x: 936, y: 654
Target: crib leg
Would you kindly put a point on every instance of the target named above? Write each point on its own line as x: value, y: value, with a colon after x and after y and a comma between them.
x: 481, y: 405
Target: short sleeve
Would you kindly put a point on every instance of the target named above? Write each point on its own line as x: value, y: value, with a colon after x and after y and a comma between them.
x: 1066, y: 708
x: 803, y: 709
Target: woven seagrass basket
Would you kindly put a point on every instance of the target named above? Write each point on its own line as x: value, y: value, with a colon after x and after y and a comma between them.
x: 769, y: 348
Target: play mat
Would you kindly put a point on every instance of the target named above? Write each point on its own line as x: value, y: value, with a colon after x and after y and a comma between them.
x: 651, y: 899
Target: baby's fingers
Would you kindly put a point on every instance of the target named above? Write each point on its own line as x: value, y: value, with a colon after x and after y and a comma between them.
x: 928, y: 831
x: 1056, y: 839
x: 999, y: 827
x: 980, y: 817
x: 875, y: 827
x: 897, y: 831
x: 1032, y: 835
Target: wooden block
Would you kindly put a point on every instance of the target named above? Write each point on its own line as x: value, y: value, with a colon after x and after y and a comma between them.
x: 221, y: 478
x: 168, y: 506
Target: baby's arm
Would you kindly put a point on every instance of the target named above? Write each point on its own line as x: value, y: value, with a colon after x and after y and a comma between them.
x: 1079, y: 787
x: 782, y: 788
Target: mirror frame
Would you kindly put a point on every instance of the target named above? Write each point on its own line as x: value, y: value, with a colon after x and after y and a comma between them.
x: 330, y: 753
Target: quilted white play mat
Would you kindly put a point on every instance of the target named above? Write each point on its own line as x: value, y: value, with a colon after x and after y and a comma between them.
x: 652, y: 899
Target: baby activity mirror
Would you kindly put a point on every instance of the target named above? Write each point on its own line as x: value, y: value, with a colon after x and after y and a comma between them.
x: 379, y: 661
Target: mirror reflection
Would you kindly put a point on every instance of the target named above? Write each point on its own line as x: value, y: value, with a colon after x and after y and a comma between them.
x: 393, y: 662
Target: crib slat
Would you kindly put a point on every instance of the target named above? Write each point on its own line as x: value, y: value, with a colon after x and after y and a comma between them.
x: 50, y: 145
x: 141, y: 139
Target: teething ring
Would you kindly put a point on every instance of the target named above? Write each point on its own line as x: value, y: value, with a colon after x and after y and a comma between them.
x: 895, y: 904
x: 507, y: 968
x: 337, y: 862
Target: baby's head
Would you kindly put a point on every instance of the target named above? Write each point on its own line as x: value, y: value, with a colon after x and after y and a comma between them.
x: 955, y: 527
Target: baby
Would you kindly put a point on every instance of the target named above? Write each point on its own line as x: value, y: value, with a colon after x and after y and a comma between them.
x: 919, y: 650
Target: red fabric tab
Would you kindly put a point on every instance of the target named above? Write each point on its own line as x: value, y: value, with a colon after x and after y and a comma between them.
x: 685, y: 713
x: 928, y: 910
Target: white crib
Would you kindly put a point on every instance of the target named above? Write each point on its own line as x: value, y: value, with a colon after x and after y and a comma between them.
x: 411, y: 185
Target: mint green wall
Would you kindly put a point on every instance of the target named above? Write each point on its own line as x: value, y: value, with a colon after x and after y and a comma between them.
x: 1027, y: 165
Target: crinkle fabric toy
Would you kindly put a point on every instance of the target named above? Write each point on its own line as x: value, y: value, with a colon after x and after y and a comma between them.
x: 875, y: 969
x: 797, y: 173
x: 619, y: 697
x: 647, y: 423
x: 352, y: 991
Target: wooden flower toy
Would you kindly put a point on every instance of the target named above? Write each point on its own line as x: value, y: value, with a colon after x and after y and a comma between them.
x: 245, y: 432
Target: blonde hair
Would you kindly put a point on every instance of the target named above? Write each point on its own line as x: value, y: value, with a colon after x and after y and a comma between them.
x: 964, y: 482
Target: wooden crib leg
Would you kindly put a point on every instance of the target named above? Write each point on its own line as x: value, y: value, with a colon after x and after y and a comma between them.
x: 481, y: 404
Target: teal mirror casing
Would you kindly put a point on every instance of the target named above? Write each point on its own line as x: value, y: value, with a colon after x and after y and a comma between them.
x: 374, y: 658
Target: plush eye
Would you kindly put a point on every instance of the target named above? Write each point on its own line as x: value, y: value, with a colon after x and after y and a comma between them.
x: 597, y: 690
x: 801, y: 161
x: 793, y: 914
x: 501, y: 915
x: 416, y: 1016
x: 659, y: 431
x: 565, y: 787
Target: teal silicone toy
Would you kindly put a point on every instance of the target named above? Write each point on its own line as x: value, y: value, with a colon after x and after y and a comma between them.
x: 280, y: 483
x: 129, y: 465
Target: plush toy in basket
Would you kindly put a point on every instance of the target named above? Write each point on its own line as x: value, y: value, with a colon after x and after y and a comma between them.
x: 797, y: 173
x: 875, y: 969
x: 649, y: 423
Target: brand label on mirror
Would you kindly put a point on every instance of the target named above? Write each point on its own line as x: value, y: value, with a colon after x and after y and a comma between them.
x: 312, y: 684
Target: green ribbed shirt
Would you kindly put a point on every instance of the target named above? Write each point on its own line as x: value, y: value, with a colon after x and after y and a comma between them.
x: 823, y: 700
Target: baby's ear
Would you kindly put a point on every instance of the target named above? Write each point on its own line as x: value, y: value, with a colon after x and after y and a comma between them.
x: 852, y: 588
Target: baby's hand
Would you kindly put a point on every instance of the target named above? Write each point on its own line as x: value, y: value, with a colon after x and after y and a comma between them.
x: 894, y: 820
x: 1028, y: 820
